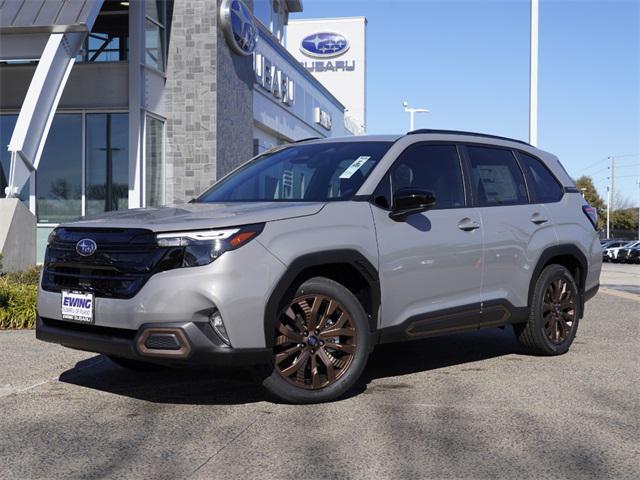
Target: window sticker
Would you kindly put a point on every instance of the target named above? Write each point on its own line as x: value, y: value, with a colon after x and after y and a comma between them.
x: 354, y: 167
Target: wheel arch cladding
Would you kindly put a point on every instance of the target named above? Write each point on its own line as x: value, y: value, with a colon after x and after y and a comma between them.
x: 348, y: 267
x: 570, y: 257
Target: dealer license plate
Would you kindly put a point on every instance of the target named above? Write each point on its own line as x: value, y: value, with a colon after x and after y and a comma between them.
x: 77, y: 306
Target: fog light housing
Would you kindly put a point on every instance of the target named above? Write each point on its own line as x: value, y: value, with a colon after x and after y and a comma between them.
x: 215, y: 319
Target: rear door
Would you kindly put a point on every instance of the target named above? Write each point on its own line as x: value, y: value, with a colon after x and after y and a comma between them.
x: 515, y: 231
x: 430, y: 264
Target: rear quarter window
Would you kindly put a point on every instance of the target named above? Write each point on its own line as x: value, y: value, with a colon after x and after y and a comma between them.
x: 543, y: 185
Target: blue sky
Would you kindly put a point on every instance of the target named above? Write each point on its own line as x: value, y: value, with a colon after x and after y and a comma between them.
x: 468, y: 62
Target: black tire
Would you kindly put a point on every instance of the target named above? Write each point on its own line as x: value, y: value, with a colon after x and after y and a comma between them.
x: 283, y: 389
x: 534, y: 334
x: 136, y: 365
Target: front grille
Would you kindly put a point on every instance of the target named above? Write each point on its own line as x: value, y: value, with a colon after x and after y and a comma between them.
x: 123, y: 262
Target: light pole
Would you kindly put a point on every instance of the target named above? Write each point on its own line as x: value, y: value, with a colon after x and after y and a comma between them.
x: 533, y: 75
x: 412, y: 111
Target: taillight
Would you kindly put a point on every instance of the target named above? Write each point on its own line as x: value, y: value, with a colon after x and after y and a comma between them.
x: 592, y: 215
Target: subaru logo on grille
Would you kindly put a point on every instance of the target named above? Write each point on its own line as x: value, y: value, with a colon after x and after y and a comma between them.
x: 324, y: 45
x: 239, y: 26
x: 86, y: 247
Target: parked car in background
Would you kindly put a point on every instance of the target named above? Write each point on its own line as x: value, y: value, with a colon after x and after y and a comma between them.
x: 633, y: 256
x: 614, y: 252
x: 628, y: 254
x: 305, y: 258
x: 608, y: 244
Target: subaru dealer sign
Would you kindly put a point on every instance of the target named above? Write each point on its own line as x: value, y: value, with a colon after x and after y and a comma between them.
x: 333, y: 50
x: 324, y: 45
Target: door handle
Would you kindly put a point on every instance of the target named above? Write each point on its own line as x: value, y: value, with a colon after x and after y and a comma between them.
x: 538, y: 219
x: 468, y: 225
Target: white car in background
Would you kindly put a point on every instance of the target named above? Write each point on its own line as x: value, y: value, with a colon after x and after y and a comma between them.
x: 612, y: 253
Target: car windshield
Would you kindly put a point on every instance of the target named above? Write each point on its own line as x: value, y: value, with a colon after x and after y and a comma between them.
x: 317, y: 172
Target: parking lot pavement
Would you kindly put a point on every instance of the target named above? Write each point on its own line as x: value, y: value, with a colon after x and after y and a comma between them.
x: 461, y: 406
x: 621, y: 276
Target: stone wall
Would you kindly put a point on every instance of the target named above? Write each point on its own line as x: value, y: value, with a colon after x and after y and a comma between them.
x: 208, y: 102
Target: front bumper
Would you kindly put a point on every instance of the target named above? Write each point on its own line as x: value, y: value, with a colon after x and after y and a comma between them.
x: 199, y: 345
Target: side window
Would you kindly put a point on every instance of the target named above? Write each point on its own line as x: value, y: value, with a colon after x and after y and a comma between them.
x: 496, y: 177
x: 544, y: 185
x: 435, y: 168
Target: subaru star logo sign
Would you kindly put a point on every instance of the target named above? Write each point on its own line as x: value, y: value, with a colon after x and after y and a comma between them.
x: 239, y: 26
x: 324, y: 45
x: 86, y: 247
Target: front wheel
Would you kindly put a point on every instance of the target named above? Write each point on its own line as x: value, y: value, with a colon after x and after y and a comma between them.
x: 321, y: 344
x: 553, y: 313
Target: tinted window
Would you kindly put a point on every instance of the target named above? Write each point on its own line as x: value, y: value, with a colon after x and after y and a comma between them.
x: 496, y: 177
x: 542, y: 183
x: 317, y: 172
x: 435, y: 168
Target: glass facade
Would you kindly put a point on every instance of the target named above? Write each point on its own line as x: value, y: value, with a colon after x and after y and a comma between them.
x: 154, y: 35
x: 7, y: 123
x: 61, y: 194
x: 109, y: 37
x: 154, y: 163
x: 273, y: 15
x: 107, y: 168
x: 59, y: 175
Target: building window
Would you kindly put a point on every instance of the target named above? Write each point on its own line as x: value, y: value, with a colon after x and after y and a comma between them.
x: 154, y: 37
x: 7, y: 124
x: 154, y: 162
x: 108, y: 40
x: 107, y: 169
x: 59, y: 175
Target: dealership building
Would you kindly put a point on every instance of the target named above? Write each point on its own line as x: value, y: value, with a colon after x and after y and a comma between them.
x: 148, y: 102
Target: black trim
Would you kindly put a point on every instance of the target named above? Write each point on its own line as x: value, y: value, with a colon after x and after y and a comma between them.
x: 471, y: 134
x: 589, y: 294
x: 571, y: 190
x: 361, y: 198
x: 317, y: 259
x: 206, y: 348
x: 494, y: 313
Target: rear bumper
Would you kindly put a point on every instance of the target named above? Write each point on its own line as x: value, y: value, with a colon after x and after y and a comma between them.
x: 199, y: 345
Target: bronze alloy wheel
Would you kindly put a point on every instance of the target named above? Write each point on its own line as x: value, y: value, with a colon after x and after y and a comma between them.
x: 315, y: 342
x: 558, y: 310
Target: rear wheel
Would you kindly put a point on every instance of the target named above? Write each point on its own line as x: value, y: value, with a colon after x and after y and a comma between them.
x: 321, y: 344
x: 553, y: 313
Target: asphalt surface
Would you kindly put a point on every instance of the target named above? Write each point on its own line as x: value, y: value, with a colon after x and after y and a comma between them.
x: 462, y: 406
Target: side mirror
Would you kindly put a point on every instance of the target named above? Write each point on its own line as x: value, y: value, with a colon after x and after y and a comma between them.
x: 408, y: 201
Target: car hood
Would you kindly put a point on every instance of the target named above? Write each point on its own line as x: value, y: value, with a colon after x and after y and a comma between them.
x: 194, y: 216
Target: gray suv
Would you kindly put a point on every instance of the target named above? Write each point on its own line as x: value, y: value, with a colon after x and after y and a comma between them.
x: 304, y: 258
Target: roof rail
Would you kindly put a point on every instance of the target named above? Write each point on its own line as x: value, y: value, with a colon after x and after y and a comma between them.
x: 458, y: 132
x: 307, y: 139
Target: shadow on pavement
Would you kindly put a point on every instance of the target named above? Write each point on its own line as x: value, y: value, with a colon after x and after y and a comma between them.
x: 240, y: 386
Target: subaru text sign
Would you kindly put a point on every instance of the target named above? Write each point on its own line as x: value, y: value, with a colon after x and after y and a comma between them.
x: 324, y: 45
x: 239, y: 26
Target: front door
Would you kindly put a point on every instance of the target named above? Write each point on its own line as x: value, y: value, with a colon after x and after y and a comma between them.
x: 431, y: 263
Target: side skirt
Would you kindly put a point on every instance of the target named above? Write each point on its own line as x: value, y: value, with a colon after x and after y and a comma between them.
x: 495, y: 313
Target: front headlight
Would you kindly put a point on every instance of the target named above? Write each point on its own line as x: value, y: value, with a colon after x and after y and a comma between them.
x: 202, y: 247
